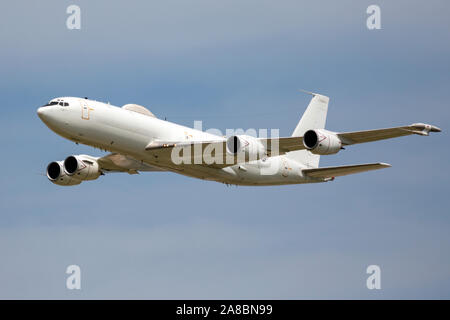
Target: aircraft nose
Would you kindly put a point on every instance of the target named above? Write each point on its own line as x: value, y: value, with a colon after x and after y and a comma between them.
x: 41, y: 112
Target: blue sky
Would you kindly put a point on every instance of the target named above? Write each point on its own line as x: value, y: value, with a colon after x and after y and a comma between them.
x: 233, y: 64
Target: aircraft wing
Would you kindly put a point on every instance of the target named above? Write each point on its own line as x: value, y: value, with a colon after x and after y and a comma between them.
x: 355, y: 137
x: 115, y: 162
x: 331, y: 172
x: 217, y: 149
x: 285, y: 144
x: 220, y: 158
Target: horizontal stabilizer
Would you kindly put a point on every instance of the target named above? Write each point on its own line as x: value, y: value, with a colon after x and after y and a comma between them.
x: 331, y: 172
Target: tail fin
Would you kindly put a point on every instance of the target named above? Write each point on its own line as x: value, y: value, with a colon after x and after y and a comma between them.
x: 314, y: 117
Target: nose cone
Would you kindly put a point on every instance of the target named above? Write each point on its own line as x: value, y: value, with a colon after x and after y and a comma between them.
x: 51, y: 117
x: 42, y: 113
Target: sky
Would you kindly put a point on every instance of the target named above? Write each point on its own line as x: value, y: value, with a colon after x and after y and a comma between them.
x: 232, y: 64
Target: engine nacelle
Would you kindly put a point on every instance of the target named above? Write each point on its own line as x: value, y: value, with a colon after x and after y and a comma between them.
x: 82, y: 167
x: 322, y: 142
x: 246, y: 146
x: 56, y: 174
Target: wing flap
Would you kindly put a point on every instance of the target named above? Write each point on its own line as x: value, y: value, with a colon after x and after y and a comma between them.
x: 331, y: 172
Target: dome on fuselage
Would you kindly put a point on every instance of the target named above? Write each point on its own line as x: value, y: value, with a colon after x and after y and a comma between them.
x: 139, y: 109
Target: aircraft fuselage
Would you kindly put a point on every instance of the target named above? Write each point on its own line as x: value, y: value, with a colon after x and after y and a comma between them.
x: 127, y: 132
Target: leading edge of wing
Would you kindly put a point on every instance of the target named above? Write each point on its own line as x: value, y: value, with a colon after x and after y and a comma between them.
x: 355, y: 137
x: 214, y: 153
x: 284, y: 144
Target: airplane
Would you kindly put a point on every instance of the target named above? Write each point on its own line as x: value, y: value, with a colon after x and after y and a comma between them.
x: 140, y: 142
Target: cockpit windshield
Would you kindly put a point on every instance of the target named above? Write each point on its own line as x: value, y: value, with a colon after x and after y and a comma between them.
x: 54, y: 103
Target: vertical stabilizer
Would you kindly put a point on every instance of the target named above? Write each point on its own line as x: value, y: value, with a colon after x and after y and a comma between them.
x: 314, y: 117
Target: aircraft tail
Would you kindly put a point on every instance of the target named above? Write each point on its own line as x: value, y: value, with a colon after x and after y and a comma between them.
x: 314, y: 117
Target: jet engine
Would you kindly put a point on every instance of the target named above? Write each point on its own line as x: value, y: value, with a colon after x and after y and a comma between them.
x: 82, y: 167
x: 243, y: 145
x: 322, y: 142
x: 56, y: 174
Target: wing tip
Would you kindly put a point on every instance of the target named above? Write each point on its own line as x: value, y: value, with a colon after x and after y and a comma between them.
x: 425, y: 128
x: 384, y: 165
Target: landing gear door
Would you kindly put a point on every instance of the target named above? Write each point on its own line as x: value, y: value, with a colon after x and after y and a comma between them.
x: 84, y: 110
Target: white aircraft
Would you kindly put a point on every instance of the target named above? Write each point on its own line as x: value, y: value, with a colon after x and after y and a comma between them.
x: 141, y: 142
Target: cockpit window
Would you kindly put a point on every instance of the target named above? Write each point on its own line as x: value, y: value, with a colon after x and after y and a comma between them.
x: 54, y: 103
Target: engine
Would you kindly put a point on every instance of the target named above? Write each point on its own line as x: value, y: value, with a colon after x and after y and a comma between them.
x: 73, y: 170
x: 322, y: 142
x: 246, y: 146
x: 56, y: 174
x: 82, y: 167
